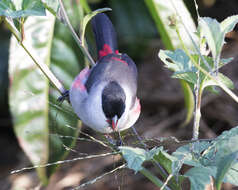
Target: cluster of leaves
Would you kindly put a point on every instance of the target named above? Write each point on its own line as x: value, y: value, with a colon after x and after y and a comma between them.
x: 182, y: 64
x: 192, y: 65
x: 216, y: 158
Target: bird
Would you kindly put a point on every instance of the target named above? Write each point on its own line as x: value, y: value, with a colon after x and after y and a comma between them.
x: 104, y: 96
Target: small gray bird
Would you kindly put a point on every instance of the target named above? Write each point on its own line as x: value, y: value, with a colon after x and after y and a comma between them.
x: 104, y: 97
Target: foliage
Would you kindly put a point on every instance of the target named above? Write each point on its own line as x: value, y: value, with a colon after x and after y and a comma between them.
x: 165, y: 19
x: 41, y: 125
x: 38, y: 122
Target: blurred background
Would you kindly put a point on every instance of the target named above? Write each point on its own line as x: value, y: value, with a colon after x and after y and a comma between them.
x: 161, y: 99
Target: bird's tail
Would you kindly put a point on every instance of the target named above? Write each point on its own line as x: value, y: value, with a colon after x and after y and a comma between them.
x: 105, y: 35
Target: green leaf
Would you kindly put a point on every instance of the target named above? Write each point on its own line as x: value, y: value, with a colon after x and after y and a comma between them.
x: 215, y: 32
x: 170, y: 163
x: 85, y: 21
x: 180, y: 63
x: 189, y: 102
x: 221, y: 150
x: 223, y: 145
x: 28, y: 93
x: 74, y: 12
x: 224, y: 166
x: 183, y: 68
x: 232, y: 175
x: 52, y: 6
x: 23, y: 8
x: 39, y: 122
x: 135, y: 157
x: 208, y: 82
x: 199, y: 177
x: 229, y: 23
x: 163, y: 13
x: 155, y: 180
x: 214, y: 36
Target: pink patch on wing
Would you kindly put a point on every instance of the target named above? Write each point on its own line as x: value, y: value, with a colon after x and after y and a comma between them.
x: 120, y: 60
x: 105, y: 51
x: 78, y: 84
x: 116, y: 52
x: 81, y: 78
x: 138, y: 106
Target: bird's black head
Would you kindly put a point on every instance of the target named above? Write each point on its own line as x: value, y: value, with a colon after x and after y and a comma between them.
x: 113, y: 100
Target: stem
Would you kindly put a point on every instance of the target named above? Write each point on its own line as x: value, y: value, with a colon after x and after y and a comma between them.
x: 75, y: 36
x: 43, y: 67
x: 153, y: 178
x: 198, y: 98
x: 197, y: 113
x: 196, y: 7
x: 166, y: 182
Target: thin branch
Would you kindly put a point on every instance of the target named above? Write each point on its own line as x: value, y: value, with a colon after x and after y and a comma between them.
x: 64, y: 161
x: 43, y: 67
x: 75, y: 36
x: 99, y: 177
x: 166, y: 182
x: 196, y: 7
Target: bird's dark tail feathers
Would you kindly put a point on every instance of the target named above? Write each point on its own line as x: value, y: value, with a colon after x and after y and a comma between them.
x: 105, y: 35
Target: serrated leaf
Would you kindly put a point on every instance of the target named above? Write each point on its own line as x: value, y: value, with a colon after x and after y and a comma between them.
x: 229, y: 23
x: 215, y: 32
x: 135, y: 157
x: 180, y: 63
x: 214, y: 36
x: 185, y: 154
x: 86, y: 19
x: 228, y: 82
x: 223, y: 145
x: 223, y: 167
x: 199, y: 177
x: 24, y: 8
x: 232, y: 175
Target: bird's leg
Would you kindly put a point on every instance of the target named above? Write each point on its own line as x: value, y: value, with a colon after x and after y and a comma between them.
x: 64, y: 96
x: 120, y: 141
x: 139, y: 138
x: 110, y: 139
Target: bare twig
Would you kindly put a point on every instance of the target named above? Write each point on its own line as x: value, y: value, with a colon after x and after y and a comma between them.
x: 99, y: 177
x: 64, y: 161
x: 43, y: 67
x: 77, y: 39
